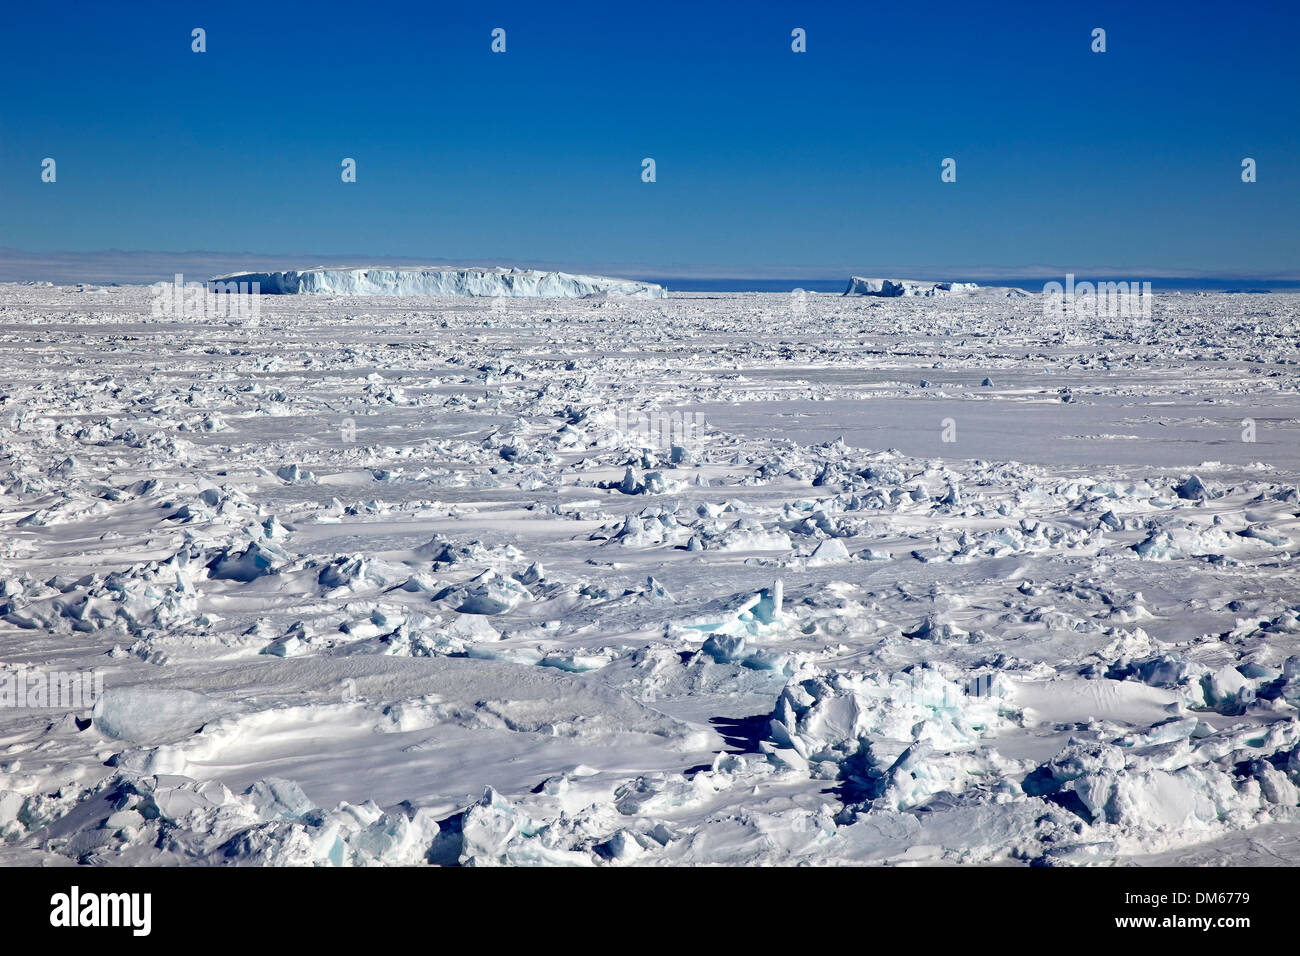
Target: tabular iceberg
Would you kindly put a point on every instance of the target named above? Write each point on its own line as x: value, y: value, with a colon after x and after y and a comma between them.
x: 510, y: 283
x: 896, y: 287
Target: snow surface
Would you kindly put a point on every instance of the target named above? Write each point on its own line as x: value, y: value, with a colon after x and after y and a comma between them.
x: 389, y: 581
x: 508, y: 283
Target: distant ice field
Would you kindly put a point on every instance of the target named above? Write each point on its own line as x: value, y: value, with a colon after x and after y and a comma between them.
x: 710, y: 579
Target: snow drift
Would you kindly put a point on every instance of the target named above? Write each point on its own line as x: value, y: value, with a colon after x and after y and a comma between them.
x: 510, y: 283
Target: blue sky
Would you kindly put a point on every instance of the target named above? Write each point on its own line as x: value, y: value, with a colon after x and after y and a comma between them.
x: 768, y: 162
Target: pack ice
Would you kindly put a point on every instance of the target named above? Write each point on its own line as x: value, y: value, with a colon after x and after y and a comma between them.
x: 429, y: 580
x: 508, y: 283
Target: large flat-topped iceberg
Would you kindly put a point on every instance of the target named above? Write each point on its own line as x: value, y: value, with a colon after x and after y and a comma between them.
x: 895, y: 287
x: 511, y: 283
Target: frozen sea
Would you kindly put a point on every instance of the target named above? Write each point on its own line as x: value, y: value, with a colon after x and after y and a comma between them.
x: 717, y: 578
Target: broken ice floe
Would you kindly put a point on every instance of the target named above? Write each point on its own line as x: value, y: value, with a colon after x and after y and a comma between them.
x: 1090, y: 656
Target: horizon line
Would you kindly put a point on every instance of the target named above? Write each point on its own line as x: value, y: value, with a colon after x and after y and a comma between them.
x: 141, y: 267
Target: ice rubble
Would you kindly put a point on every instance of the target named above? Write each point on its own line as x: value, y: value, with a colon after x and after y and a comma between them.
x: 898, y: 738
x: 882, y: 657
x: 272, y: 822
x: 893, y: 743
x: 507, y: 283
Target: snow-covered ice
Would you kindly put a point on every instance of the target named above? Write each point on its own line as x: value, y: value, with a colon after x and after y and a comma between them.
x: 401, y: 580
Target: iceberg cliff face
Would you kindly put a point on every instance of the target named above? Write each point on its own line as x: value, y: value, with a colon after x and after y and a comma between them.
x: 510, y: 283
x: 896, y: 287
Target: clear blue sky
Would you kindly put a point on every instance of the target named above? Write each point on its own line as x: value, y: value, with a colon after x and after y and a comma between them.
x: 768, y: 161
